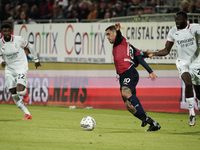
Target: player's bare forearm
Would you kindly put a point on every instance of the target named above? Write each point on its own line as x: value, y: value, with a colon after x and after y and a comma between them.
x: 162, y: 52
x: 165, y: 51
x: 130, y: 107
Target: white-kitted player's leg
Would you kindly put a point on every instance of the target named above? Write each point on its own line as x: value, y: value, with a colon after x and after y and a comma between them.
x: 11, y: 85
x: 196, y: 83
x: 186, y: 74
x: 20, y: 104
x: 21, y: 81
x: 190, y: 102
x: 21, y: 86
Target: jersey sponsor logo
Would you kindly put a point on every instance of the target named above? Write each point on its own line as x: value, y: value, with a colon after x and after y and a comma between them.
x: 186, y: 42
x: 12, y: 56
x: 126, y: 80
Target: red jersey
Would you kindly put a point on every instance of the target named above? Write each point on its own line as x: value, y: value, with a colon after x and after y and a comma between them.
x: 126, y: 55
x: 122, y: 56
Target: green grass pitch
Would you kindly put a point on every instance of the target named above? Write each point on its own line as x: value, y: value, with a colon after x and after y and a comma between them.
x: 58, y: 128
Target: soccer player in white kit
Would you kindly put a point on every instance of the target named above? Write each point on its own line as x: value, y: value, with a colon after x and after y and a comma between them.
x: 186, y: 37
x: 13, y: 59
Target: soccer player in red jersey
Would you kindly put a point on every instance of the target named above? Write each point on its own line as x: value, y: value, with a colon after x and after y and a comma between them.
x: 126, y: 58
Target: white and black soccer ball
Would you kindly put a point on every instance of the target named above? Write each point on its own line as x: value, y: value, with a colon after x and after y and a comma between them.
x: 88, y: 123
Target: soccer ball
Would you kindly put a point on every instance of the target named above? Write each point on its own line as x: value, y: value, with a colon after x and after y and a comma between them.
x: 88, y: 123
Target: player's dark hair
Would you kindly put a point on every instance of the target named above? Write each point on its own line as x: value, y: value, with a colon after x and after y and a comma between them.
x: 182, y: 13
x: 6, y: 25
x: 112, y: 28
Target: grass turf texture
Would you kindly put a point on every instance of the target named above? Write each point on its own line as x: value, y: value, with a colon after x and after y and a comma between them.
x: 58, y: 128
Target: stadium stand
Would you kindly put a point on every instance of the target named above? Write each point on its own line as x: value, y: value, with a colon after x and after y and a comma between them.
x: 46, y: 11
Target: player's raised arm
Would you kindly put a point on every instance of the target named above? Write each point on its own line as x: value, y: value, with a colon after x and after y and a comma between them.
x: 117, y: 26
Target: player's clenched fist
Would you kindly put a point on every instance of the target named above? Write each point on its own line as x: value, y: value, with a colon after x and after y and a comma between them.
x: 117, y: 26
x: 3, y: 64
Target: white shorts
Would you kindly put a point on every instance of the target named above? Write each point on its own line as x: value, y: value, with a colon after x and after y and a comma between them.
x: 193, y: 69
x: 195, y: 72
x: 13, y: 80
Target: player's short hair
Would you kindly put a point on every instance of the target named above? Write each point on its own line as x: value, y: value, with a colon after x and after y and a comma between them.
x: 182, y: 13
x: 6, y: 25
x: 112, y: 28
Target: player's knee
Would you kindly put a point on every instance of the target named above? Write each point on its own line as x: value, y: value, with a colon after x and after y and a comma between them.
x: 188, y: 84
x: 21, y: 93
x: 126, y: 92
x: 198, y: 96
x: 125, y: 95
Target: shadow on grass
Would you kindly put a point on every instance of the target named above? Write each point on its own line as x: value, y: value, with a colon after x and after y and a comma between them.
x: 124, y: 131
x: 186, y: 133
x: 9, y: 120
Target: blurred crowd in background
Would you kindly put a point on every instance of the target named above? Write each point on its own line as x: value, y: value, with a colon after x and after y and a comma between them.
x: 29, y: 10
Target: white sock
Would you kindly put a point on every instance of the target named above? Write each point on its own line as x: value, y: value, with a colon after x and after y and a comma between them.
x: 190, y: 102
x: 20, y: 104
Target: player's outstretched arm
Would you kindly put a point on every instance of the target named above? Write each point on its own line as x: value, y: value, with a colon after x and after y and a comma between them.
x: 162, y: 52
x: 153, y: 76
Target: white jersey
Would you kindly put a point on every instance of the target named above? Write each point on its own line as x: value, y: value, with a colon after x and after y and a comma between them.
x: 186, y: 41
x: 13, y: 54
